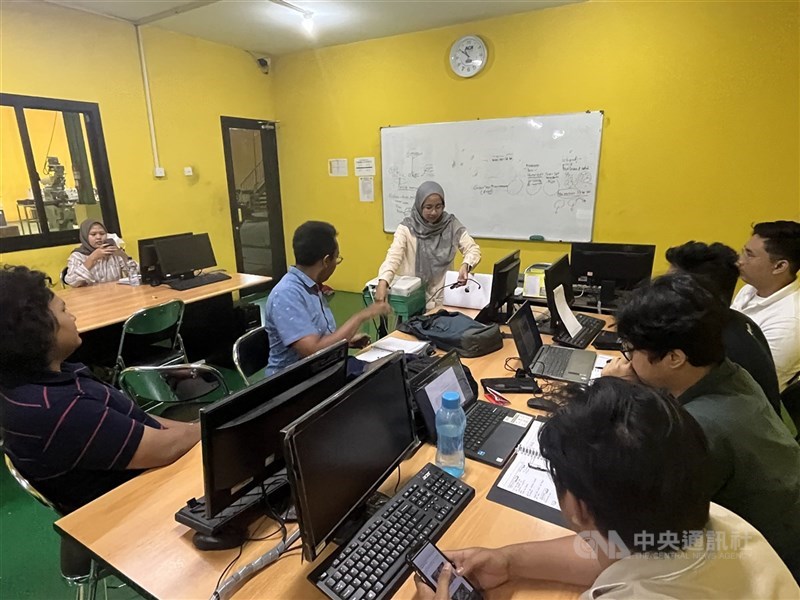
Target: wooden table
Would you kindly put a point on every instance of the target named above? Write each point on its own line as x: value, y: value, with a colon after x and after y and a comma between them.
x: 132, y: 528
x: 96, y: 306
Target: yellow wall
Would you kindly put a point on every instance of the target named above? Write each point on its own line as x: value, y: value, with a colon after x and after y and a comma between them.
x: 700, y: 137
x: 59, y: 53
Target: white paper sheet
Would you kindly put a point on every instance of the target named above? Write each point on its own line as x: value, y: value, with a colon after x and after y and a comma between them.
x: 529, y: 446
x: 387, y: 345
x: 364, y: 166
x: 366, y: 189
x: 564, y: 311
x: 474, y: 298
x: 599, y: 363
x: 529, y: 483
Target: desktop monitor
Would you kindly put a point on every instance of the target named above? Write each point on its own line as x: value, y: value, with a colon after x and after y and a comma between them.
x: 182, y: 256
x: 240, y: 434
x: 148, y: 259
x: 338, y: 454
x: 504, y: 282
x: 558, y: 274
x: 624, y: 264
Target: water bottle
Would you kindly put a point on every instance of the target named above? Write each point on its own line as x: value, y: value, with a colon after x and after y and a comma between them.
x: 134, y: 277
x: 450, y: 424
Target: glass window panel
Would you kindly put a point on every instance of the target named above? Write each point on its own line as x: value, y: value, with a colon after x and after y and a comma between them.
x: 16, y: 201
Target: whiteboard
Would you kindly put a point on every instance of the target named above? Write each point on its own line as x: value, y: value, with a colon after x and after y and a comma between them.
x: 519, y: 178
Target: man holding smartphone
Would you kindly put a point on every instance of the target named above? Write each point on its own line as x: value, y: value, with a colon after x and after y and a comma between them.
x: 647, y: 510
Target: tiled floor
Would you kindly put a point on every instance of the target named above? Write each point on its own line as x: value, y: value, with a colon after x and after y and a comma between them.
x: 29, y: 546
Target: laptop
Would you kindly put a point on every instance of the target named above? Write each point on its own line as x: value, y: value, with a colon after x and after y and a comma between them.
x: 492, y: 431
x: 549, y: 362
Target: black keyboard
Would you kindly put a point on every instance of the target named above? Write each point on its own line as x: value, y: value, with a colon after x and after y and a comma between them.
x: 373, y: 564
x: 197, y: 281
x: 590, y: 327
x: 554, y: 360
x: 482, y: 420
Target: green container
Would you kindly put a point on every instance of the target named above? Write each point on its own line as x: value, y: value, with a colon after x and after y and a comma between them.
x: 404, y: 307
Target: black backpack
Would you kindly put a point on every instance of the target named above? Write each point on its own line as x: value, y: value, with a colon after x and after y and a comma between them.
x: 454, y: 330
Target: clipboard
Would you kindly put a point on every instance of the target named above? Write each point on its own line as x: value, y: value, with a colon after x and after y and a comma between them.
x: 521, y: 503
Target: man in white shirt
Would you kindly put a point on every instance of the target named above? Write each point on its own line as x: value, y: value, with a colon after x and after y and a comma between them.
x: 768, y: 265
x: 629, y: 466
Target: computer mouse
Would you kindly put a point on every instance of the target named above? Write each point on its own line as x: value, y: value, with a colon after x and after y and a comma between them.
x: 542, y: 404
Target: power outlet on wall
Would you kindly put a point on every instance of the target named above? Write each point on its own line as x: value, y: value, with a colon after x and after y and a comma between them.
x: 159, y: 172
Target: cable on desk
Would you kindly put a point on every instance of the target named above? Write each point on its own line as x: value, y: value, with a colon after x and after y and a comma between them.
x: 508, y: 360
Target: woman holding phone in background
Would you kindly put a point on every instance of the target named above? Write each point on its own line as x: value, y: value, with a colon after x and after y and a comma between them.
x: 97, y: 259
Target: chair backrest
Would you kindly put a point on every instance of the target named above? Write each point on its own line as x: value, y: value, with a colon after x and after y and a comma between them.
x: 251, y: 354
x: 25, y: 484
x: 63, y: 277
x: 152, y: 335
x: 156, y: 389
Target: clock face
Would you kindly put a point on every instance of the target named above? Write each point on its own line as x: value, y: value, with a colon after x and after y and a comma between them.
x: 468, y: 56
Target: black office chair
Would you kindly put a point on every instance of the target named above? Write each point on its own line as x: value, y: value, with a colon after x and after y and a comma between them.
x: 251, y: 355
x: 63, y: 277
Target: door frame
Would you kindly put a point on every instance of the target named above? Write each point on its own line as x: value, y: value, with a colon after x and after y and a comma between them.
x: 269, y: 157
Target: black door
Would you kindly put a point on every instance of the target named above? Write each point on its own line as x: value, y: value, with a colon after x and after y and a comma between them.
x: 251, y: 162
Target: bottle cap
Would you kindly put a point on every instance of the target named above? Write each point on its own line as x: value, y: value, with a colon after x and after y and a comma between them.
x: 451, y: 400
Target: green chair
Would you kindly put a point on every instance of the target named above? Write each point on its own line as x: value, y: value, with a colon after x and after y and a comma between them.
x: 251, y: 355
x: 78, y: 568
x: 173, y: 391
x: 151, y: 336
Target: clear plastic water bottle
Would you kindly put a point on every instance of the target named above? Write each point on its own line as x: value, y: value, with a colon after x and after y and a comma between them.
x: 450, y: 424
x: 134, y: 276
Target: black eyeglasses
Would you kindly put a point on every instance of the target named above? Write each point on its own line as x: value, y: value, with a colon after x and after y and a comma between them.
x: 627, y: 351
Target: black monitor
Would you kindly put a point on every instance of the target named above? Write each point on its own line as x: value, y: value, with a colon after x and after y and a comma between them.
x: 624, y: 264
x: 558, y: 274
x: 240, y: 435
x: 182, y: 256
x: 148, y: 259
x: 341, y: 452
x: 504, y: 282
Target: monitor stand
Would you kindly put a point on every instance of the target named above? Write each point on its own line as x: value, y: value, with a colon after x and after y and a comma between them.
x: 493, y: 314
x: 229, y: 528
x: 358, y: 517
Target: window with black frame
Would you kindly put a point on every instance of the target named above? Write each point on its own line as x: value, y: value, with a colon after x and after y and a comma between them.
x: 53, y: 172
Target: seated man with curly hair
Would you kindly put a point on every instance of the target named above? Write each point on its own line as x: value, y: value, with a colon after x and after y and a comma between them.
x: 71, y: 436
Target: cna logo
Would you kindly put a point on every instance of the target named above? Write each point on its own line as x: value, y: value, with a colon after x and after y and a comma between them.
x: 588, y: 544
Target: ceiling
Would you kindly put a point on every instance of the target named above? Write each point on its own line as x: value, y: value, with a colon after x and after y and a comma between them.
x: 265, y: 27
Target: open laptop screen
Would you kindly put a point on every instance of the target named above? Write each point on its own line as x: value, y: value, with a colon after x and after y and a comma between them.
x: 526, y: 335
x: 445, y: 375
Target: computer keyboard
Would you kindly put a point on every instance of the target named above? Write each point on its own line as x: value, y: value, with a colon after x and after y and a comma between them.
x: 373, y: 564
x: 555, y: 360
x: 481, y: 421
x: 590, y: 327
x: 197, y: 280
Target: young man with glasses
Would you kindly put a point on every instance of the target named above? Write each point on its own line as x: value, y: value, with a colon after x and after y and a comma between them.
x: 768, y: 265
x: 299, y: 321
x: 673, y: 340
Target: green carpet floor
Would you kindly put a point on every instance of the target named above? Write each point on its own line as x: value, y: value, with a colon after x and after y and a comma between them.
x: 29, y: 546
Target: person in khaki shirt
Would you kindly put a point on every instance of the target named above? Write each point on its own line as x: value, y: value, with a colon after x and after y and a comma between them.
x: 425, y: 245
x: 629, y: 465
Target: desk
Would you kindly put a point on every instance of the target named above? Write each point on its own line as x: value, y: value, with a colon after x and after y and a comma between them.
x: 102, y: 304
x: 132, y: 528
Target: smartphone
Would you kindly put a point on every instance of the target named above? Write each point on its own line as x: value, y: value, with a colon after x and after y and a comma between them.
x: 427, y: 561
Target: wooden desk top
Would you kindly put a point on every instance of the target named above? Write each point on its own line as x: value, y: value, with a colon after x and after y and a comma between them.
x: 132, y: 528
x: 96, y: 306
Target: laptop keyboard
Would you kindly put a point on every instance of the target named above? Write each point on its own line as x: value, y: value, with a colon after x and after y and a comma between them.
x: 554, y: 360
x: 590, y: 327
x: 482, y: 420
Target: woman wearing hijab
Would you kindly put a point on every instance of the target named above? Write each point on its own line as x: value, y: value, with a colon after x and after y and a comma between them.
x: 425, y: 245
x: 97, y: 259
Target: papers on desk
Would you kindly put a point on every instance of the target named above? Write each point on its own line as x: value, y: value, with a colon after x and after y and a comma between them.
x: 385, y: 346
x: 527, y: 475
x: 599, y: 364
x: 565, y: 312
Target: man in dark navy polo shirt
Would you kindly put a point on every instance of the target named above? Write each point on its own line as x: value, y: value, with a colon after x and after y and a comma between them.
x: 71, y: 436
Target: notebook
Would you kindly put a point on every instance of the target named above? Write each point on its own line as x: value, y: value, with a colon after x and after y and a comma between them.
x: 492, y: 431
x: 550, y: 362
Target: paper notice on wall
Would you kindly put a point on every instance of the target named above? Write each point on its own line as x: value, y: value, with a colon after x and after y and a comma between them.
x: 564, y: 311
x: 366, y: 189
x: 337, y: 167
x: 364, y: 166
